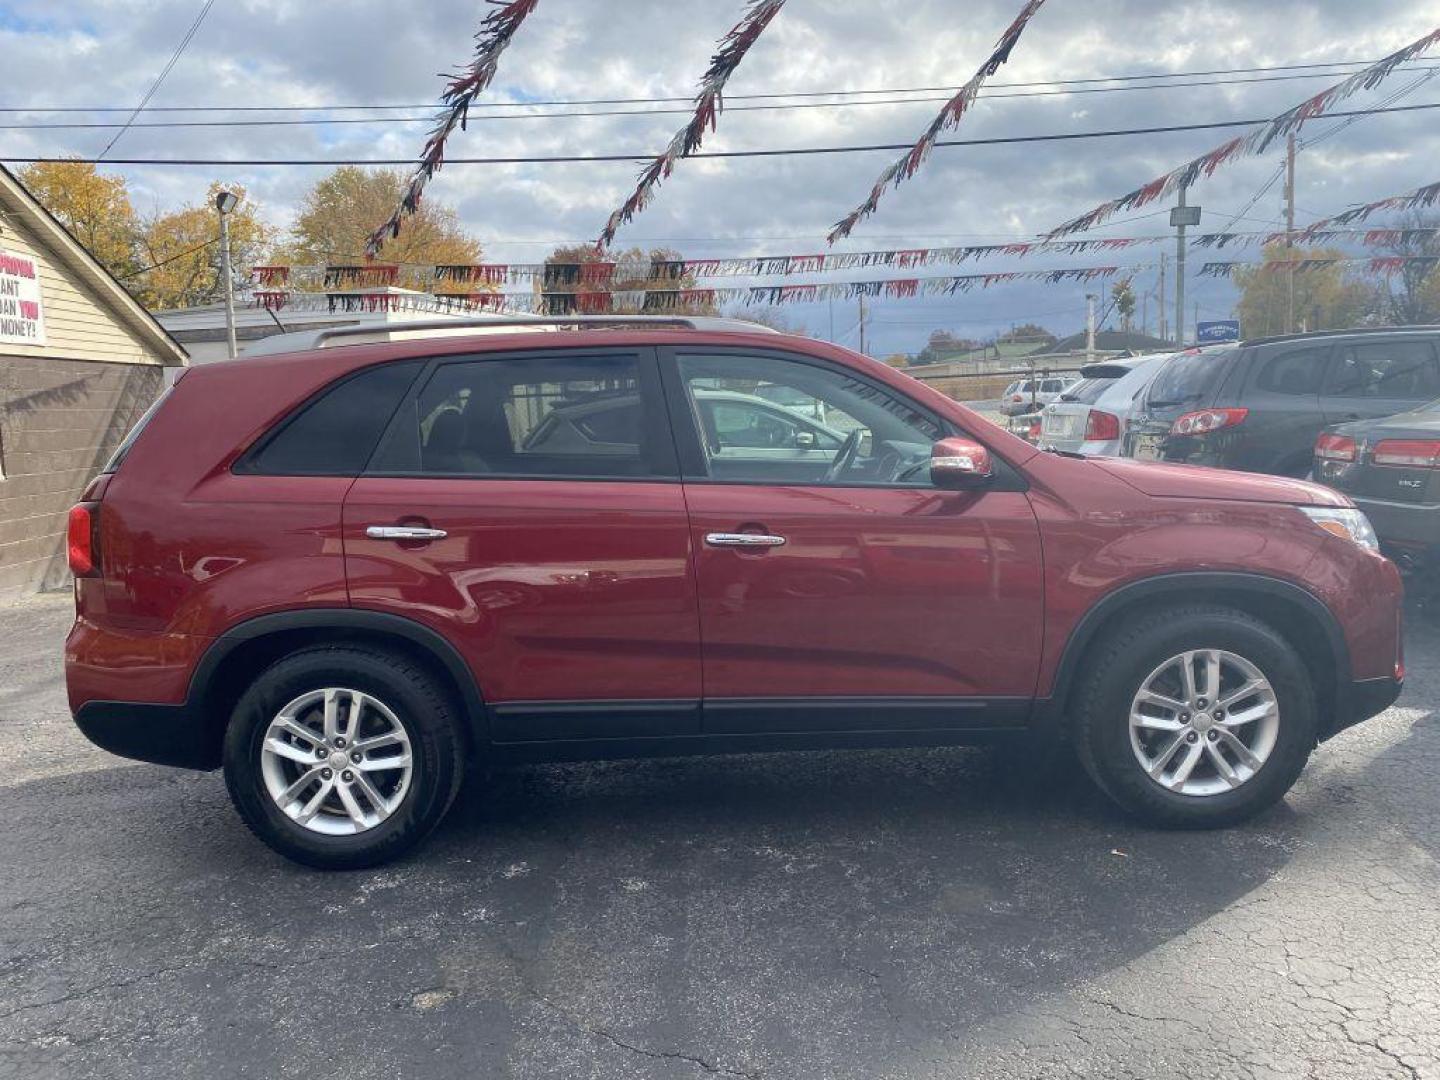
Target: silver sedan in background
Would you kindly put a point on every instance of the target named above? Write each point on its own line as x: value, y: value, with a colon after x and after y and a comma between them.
x: 1091, y: 416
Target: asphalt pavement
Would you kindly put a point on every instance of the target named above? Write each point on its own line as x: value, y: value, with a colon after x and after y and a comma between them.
x: 839, y: 915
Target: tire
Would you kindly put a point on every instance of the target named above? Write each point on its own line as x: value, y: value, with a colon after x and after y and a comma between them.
x: 394, y: 693
x: 1127, y: 659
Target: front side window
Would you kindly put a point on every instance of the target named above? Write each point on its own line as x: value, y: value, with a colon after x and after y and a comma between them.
x: 577, y: 417
x: 835, y: 429
x: 1394, y: 369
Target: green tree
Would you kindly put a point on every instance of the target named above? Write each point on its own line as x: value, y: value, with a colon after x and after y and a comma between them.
x: 344, y: 208
x: 93, y: 207
x: 1122, y: 293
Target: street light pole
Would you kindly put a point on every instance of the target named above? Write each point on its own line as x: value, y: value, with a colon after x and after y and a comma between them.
x: 1090, y: 328
x: 1180, y: 217
x: 225, y: 202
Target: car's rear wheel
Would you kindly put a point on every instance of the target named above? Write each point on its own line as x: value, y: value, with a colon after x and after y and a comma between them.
x: 1196, y: 717
x: 342, y: 758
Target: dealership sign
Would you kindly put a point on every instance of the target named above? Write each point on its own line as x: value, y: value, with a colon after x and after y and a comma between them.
x: 22, y: 322
x: 1218, y: 330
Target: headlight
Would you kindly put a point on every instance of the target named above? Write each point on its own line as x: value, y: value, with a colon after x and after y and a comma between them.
x: 1348, y: 524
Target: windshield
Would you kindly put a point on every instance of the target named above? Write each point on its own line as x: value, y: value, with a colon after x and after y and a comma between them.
x: 1188, y: 377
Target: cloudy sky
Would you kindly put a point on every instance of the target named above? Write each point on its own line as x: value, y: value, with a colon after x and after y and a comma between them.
x: 90, y: 53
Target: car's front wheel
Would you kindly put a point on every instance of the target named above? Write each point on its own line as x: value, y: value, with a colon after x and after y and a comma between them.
x: 343, y: 758
x: 1195, y: 717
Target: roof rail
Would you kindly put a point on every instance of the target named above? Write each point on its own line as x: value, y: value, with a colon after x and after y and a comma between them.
x: 1355, y: 330
x: 578, y: 322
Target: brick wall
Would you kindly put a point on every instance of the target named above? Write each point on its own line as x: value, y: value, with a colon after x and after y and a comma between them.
x: 59, y: 422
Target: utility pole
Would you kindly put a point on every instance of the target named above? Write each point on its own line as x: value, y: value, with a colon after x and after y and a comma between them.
x: 225, y: 202
x: 1160, y: 300
x: 1181, y: 217
x: 1090, y: 328
x: 1290, y: 229
x: 862, y: 327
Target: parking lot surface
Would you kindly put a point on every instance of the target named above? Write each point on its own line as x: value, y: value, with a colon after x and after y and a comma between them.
x: 877, y: 914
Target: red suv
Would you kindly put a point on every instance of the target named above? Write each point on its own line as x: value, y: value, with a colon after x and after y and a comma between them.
x: 349, y: 575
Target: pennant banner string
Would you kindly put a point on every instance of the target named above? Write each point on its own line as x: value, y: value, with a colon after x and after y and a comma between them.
x: 602, y: 300
x: 496, y: 32
x: 1378, y: 264
x: 950, y: 116
x: 1414, y: 200
x: 708, y: 106
x: 1257, y: 142
x: 592, y: 274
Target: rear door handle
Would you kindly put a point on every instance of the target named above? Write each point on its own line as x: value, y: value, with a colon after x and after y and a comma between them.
x: 766, y: 540
x: 404, y: 532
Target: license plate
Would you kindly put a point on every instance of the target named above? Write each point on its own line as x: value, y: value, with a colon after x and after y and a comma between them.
x: 1148, y: 446
x: 1059, y: 425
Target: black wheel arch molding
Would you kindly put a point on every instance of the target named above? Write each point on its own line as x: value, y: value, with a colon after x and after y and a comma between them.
x: 1343, y: 700
x: 190, y: 735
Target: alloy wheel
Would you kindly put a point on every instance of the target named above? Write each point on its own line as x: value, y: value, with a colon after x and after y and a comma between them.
x: 1204, y: 722
x: 336, y: 761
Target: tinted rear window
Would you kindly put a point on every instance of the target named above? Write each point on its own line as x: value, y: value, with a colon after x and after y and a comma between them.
x: 1087, y: 391
x: 1189, y: 377
x: 335, y: 434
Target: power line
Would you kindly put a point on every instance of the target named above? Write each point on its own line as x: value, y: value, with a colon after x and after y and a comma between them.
x: 1326, y: 69
x: 476, y: 116
x: 174, y: 58
x: 167, y: 262
x: 635, y: 157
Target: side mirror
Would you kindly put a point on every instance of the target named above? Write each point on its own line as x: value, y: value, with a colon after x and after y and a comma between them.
x: 805, y: 440
x: 959, y: 463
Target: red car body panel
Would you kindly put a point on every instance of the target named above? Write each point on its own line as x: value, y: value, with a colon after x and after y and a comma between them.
x: 550, y: 590
x: 889, y: 592
x: 603, y: 590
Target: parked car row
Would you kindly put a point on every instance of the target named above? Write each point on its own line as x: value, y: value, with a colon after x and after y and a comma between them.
x: 1358, y: 410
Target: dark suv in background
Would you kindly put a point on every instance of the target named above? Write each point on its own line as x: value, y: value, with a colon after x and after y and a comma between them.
x: 1258, y: 406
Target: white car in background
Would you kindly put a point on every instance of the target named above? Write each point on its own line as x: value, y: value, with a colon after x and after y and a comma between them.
x: 1031, y: 395
x: 1091, y: 416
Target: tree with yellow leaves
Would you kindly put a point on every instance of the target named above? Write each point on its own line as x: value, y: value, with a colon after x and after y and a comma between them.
x: 93, y: 207
x: 1325, y: 299
x: 338, y: 214
x: 182, y: 251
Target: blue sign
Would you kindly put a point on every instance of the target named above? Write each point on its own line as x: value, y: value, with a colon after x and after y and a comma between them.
x: 1219, y: 330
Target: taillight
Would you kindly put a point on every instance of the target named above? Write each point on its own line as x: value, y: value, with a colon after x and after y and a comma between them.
x: 1208, y: 420
x: 1102, y: 426
x: 1416, y: 453
x: 1330, y: 447
x: 82, y: 550
x: 1032, y: 432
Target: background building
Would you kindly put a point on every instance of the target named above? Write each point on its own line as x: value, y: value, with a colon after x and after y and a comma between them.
x: 80, y: 360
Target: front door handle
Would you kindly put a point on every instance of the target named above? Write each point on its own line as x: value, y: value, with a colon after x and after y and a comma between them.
x: 765, y: 540
x: 404, y: 532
